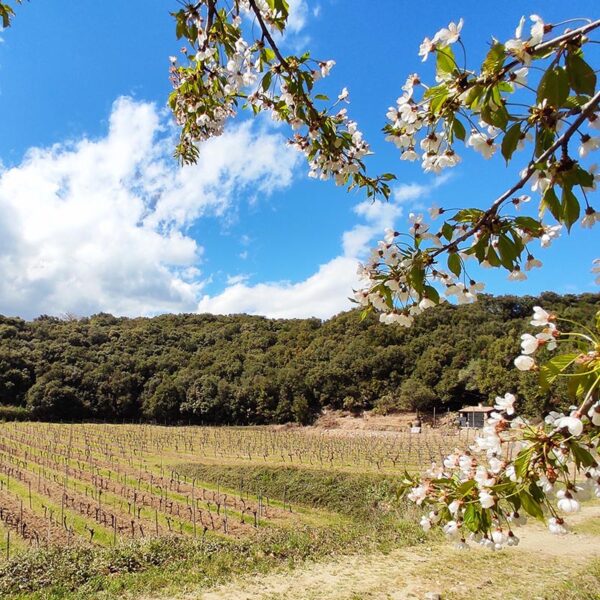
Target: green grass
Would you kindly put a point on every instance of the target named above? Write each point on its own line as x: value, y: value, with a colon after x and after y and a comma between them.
x: 354, y: 494
x: 583, y: 585
x: 172, y: 564
x: 102, y: 535
x: 8, y: 412
x: 17, y: 545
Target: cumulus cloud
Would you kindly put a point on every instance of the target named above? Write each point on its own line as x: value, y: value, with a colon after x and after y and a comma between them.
x: 327, y: 291
x: 321, y: 295
x: 324, y: 293
x: 101, y: 224
x: 378, y: 216
x: 411, y: 192
x: 298, y: 15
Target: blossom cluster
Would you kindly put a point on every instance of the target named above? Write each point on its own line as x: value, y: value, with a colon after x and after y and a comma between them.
x: 223, y: 70
x: 481, y: 494
x: 404, y: 273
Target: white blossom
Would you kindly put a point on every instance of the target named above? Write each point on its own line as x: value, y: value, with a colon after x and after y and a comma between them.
x: 448, y: 35
x: 482, y: 144
x: 566, y: 502
x: 573, y: 424
x: 524, y: 363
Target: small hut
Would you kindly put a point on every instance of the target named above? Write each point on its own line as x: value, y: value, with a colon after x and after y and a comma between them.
x: 474, y: 416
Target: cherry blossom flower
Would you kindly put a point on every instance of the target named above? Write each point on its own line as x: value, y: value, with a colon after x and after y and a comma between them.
x: 517, y: 275
x: 541, y: 318
x: 556, y: 526
x: 426, y: 47
x: 448, y: 35
x: 551, y: 232
x: 591, y: 218
x: 519, y: 200
x: 596, y: 269
x: 532, y: 263
x: 588, y: 144
x: 524, y: 363
x: 482, y: 144
x: 343, y: 96
x: 566, y: 502
x: 326, y: 67
x: 594, y: 414
x: 451, y: 528
x: 506, y: 404
x: 486, y: 499
x: 519, y: 76
x: 573, y: 424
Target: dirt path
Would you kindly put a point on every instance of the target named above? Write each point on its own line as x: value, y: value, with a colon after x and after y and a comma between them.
x: 539, y: 561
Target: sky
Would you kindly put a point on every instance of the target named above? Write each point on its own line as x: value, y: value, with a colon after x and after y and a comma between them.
x: 96, y: 215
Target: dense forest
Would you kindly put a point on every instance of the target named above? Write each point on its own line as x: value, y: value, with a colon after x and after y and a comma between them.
x: 252, y: 370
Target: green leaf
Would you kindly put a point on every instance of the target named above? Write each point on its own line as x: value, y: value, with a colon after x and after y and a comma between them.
x: 447, y: 231
x: 458, y: 129
x: 464, y: 488
x: 492, y: 257
x: 496, y: 116
x: 508, y: 252
x: 522, y: 462
x: 268, y: 55
x: 511, y: 141
x: 582, y: 456
x: 454, y: 264
x: 468, y: 215
x: 431, y: 293
x: 266, y: 82
x: 581, y: 76
x: 531, y: 505
x: 495, y: 59
x: 576, y: 101
x: 472, y: 518
x: 554, y: 87
x: 445, y: 62
x: 551, y: 202
x: 544, y: 138
x: 552, y: 368
x: 529, y: 224
x: 570, y: 208
x: 437, y: 100
x: 473, y: 96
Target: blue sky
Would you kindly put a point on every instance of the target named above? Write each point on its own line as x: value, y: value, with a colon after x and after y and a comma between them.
x: 95, y: 215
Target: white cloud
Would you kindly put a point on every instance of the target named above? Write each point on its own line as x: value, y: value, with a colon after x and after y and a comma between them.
x: 298, y: 15
x: 321, y: 295
x: 379, y: 215
x: 101, y: 224
x: 326, y: 292
x: 407, y: 192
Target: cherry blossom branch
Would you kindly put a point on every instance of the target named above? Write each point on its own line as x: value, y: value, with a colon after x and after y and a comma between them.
x: 587, y: 110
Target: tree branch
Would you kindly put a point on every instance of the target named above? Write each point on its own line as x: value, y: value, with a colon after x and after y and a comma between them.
x: 586, y: 111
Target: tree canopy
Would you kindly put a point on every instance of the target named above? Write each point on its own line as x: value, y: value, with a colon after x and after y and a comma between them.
x: 251, y: 370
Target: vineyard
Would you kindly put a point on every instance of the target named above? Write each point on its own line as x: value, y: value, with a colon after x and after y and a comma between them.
x: 95, y: 484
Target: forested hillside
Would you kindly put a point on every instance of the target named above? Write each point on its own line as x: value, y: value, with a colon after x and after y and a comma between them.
x: 252, y: 370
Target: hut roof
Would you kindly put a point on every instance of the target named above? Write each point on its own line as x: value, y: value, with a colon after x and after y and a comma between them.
x: 477, y: 409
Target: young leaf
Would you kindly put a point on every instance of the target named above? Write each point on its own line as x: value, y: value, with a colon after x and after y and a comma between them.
x: 454, y: 264
x: 570, y: 208
x: 551, y: 202
x: 554, y: 87
x: 511, y: 141
x: 445, y: 63
x: 531, y: 505
x: 495, y: 59
x: 582, y: 78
